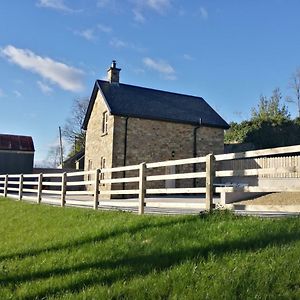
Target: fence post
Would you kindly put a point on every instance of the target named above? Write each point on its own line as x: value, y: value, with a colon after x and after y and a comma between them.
x: 63, y: 188
x: 5, y: 185
x: 96, y: 188
x: 142, y: 187
x: 209, y: 181
x: 40, y: 188
x: 21, y: 178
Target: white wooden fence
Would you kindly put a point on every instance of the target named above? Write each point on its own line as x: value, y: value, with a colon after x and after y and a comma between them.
x: 60, y: 188
x: 54, y: 187
x: 287, y: 169
x: 266, y: 163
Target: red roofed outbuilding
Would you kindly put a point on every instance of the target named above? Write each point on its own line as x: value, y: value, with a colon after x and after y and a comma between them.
x: 16, y: 154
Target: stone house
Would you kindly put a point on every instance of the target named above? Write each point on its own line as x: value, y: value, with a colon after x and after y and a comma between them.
x: 127, y: 125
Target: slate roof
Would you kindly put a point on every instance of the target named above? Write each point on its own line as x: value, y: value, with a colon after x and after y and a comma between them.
x: 77, y: 156
x: 16, y: 143
x: 133, y: 101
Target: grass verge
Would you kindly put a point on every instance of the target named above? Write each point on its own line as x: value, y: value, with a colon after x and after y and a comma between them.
x: 68, y: 253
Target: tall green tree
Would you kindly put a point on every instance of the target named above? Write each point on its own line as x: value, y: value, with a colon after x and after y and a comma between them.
x: 270, y: 125
x: 271, y: 109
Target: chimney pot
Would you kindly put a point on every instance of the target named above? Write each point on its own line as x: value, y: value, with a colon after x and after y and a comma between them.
x: 113, y: 73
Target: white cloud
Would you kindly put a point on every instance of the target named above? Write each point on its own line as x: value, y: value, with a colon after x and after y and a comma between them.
x: 138, y: 16
x: 90, y: 33
x: 112, y: 5
x: 121, y: 44
x: 55, y: 4
x: 158, y: 5
x: 117, y: 43
x: 87, y: 34
x: 46, y: 89
x: 67, y: 77
x: 138, y: 7
x: 139, y: 71
x: 160, y: 66
x: 104, y: 28
x: 155, y: 4
x: 102, y: 3
x: 188, y: 57
x: 17, y: 93
x: 1, y: 93
x: 203, y: 13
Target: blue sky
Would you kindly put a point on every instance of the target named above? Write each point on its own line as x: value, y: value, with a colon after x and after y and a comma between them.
x: 228, y: 52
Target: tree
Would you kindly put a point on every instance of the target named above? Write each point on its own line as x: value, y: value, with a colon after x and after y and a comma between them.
x: 72, y: 130
x: 237, y: 132
x: 53, y: 157
x: 270, y: 125
x: 271, y: 109
x: 294, y: 85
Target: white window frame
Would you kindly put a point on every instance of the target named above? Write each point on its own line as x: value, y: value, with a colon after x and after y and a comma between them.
x: 102, y: 166
x: 105, y: 122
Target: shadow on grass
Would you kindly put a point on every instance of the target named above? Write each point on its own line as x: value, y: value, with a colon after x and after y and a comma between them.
x: 93, y: 239
x: 142, y: 265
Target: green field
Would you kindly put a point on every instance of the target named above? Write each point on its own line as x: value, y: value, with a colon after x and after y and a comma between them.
x: 69, y: 253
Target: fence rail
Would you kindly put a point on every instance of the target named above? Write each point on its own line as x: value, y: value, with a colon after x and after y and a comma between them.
x: 279, y: 165
x: 89, y: 185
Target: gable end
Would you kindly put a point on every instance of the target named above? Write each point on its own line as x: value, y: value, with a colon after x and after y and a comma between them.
x: 93, y: 97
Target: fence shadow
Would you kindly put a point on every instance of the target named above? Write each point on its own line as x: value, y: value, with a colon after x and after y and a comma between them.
x: 94, y: 239
x: 128, y: 267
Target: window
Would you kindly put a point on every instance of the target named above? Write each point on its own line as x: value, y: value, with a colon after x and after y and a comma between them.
x: 102, y: 166
x: 90, y: 167
x: 105, y: 123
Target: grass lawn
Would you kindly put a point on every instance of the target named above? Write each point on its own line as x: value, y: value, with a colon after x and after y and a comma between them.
x: 68, y: 253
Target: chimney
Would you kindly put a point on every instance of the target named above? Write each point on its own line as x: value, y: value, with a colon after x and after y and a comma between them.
x: 113, y: 73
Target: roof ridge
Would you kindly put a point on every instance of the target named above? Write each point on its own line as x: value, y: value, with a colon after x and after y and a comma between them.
x: 156, y: 90
x: 15, y: 135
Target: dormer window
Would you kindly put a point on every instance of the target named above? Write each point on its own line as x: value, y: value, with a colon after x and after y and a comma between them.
x: 105, y: 123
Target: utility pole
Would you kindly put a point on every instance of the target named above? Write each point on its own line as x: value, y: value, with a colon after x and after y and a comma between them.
x: 75, y: 144
x: 61, y: 148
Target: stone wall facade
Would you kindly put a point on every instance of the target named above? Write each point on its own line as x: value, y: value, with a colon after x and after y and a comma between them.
x: 153, y: 141
x: 130, y: 141
x: 99, y: 145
